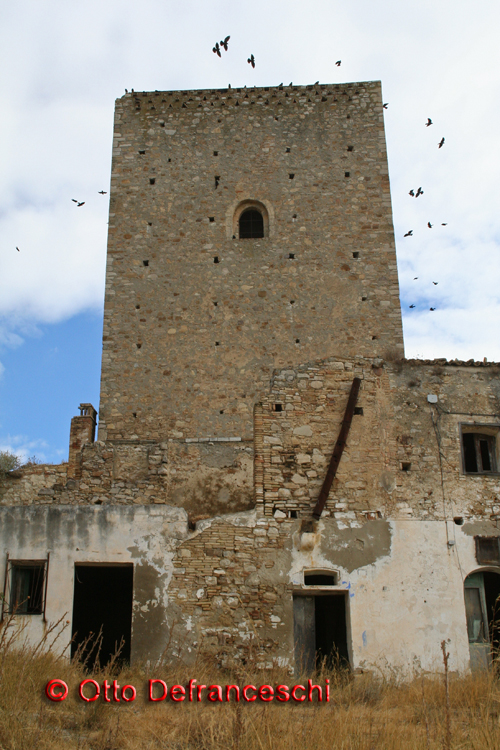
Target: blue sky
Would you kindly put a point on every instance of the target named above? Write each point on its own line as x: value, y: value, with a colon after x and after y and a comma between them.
x: 64, y: 63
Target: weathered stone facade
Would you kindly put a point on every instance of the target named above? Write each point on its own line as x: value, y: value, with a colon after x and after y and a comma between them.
x: 210, y: 459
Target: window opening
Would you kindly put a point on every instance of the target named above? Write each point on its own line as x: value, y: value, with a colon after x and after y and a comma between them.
x: 211, y: 219
x: 487, y: 550
x: 291, y: 176
x: 347, y: 174
x: 216, y: 258
x: 320, y: 579
x: 479, y: 453
x: 355, y: 254
x: 358, y: 410
x: 152, y: 180
x: 145, y: 262
x: 25, y: 587
x: 278, y: 407
x: 405, y: 466
x: 291, y: 256
x: 251, y: 224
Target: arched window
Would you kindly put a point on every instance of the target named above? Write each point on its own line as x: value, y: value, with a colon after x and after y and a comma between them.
x: 251, y: 224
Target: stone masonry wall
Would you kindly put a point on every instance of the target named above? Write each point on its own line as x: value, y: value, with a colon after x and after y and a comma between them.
x: 196, y: 319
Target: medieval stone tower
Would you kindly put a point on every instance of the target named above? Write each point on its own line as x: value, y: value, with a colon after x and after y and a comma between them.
x: 239, y: 501
x: 202, y: 304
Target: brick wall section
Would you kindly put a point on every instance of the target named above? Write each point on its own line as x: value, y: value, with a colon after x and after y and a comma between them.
x: 163, y: 376
x: 82, y: 431
x: 237, y: 612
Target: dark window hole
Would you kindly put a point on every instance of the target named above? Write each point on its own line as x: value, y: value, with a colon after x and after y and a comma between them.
x: 217, y: 343
x: 152, y: 180
x: 292, y: 301
x: 287, y: 151
x: 169, y: 159
x: 216, y: 153
x: 142, y: 152
x: 138, y: 346
x: 145, y: 262
x: 211, y: 219
x: 319, y: 579
x: 405, y: 466
x: 291, y: 256
x: 134, y: 414
x: 350, y: 148
x: 459, y: 520
x: 150, y: 223
x: 355, y: 254
x: 216, y: 258
x: 251, y: 224
x: 217, y: 180
x: 297, y: 341
x: 358, y: 410
x: 216, y: 303
x: 374, y: 338
x: 293, y: 514
x: 363, y: 299
x: 278, y: 407
x: 291, y: 176
x: 347, y: 174
x: 137, y: 307
x: 221, y: 411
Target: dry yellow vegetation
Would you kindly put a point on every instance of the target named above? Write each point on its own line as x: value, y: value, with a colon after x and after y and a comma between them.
x: 365, y: 712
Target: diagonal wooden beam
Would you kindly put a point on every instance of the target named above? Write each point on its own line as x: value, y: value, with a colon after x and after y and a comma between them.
x: 338, y: 450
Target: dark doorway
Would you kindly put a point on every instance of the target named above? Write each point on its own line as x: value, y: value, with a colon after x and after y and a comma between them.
x: 251, y: 224
x: 320, y: 631
x: 331, y: 632
x: 102, y: 604
x: 492, y: 593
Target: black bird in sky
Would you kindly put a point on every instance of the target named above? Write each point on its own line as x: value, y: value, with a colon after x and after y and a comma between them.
x: 429, y: 225
x: 102, y: 192
x: 18, y: 250
x: 416, y: 277
x: 338, y: 63
x: 419, y: 192
x: 412, y: 306
x: 80, y: 204
x: 429, y: 122
x: 444, y: 225
x: 409, y: 234
x: 224, y: 42
x: 251, y: 60
x: 216, y: 49
x: 432, y: 309
x: 385, y: 105
x: 435, y: 283
x: 411, y: 193
x: 74, y: 200
x: 441, y: 143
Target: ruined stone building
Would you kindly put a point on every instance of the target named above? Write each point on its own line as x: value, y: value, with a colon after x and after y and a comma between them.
x: 251, y: 290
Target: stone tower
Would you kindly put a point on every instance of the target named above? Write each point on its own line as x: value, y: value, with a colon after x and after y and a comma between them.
x: 197, y: 316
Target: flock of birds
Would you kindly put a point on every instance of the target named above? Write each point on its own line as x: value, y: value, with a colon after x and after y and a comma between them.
x: 416, y: 194
x: 223, y: 45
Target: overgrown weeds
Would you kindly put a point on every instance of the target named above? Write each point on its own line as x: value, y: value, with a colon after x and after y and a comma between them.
x: 365, y: 712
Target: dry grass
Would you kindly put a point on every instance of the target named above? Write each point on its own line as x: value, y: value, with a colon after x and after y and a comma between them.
x: 364, y: 713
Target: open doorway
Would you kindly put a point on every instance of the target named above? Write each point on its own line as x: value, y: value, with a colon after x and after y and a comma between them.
x: 320, y: 631
x: 482, y: 609
x: 102, y: 604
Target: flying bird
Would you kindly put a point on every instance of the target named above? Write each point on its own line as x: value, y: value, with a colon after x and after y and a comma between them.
x: 441, y: 143
x: 409, y: 234
x: 18, y: 249
x: 411, y: 193
x: 416, y: 277
x: 224, y: 42
x: 385, y: 105
x: 74, y: 200
x: 430, y: 225
x: 411, y: 306
x: 251, y: 60
x: 444, y: 225
x: 432, y: 309
x: 435, y: 283
x: 419, y: 192
x: 102, y: 192
x: 80, y: 204
x: 429, y: 122
x: 338, y: 63
x: 216, y: 49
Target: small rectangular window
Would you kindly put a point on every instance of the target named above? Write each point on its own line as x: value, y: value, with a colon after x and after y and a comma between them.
x: 479, y: 452
x: 487, y: 550
x: 27, y: 586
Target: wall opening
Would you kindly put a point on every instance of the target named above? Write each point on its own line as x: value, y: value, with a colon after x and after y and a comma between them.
x: 102, y: 604
x: 482, y: 611
x: 251, y: 224
x: 320, y: 631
